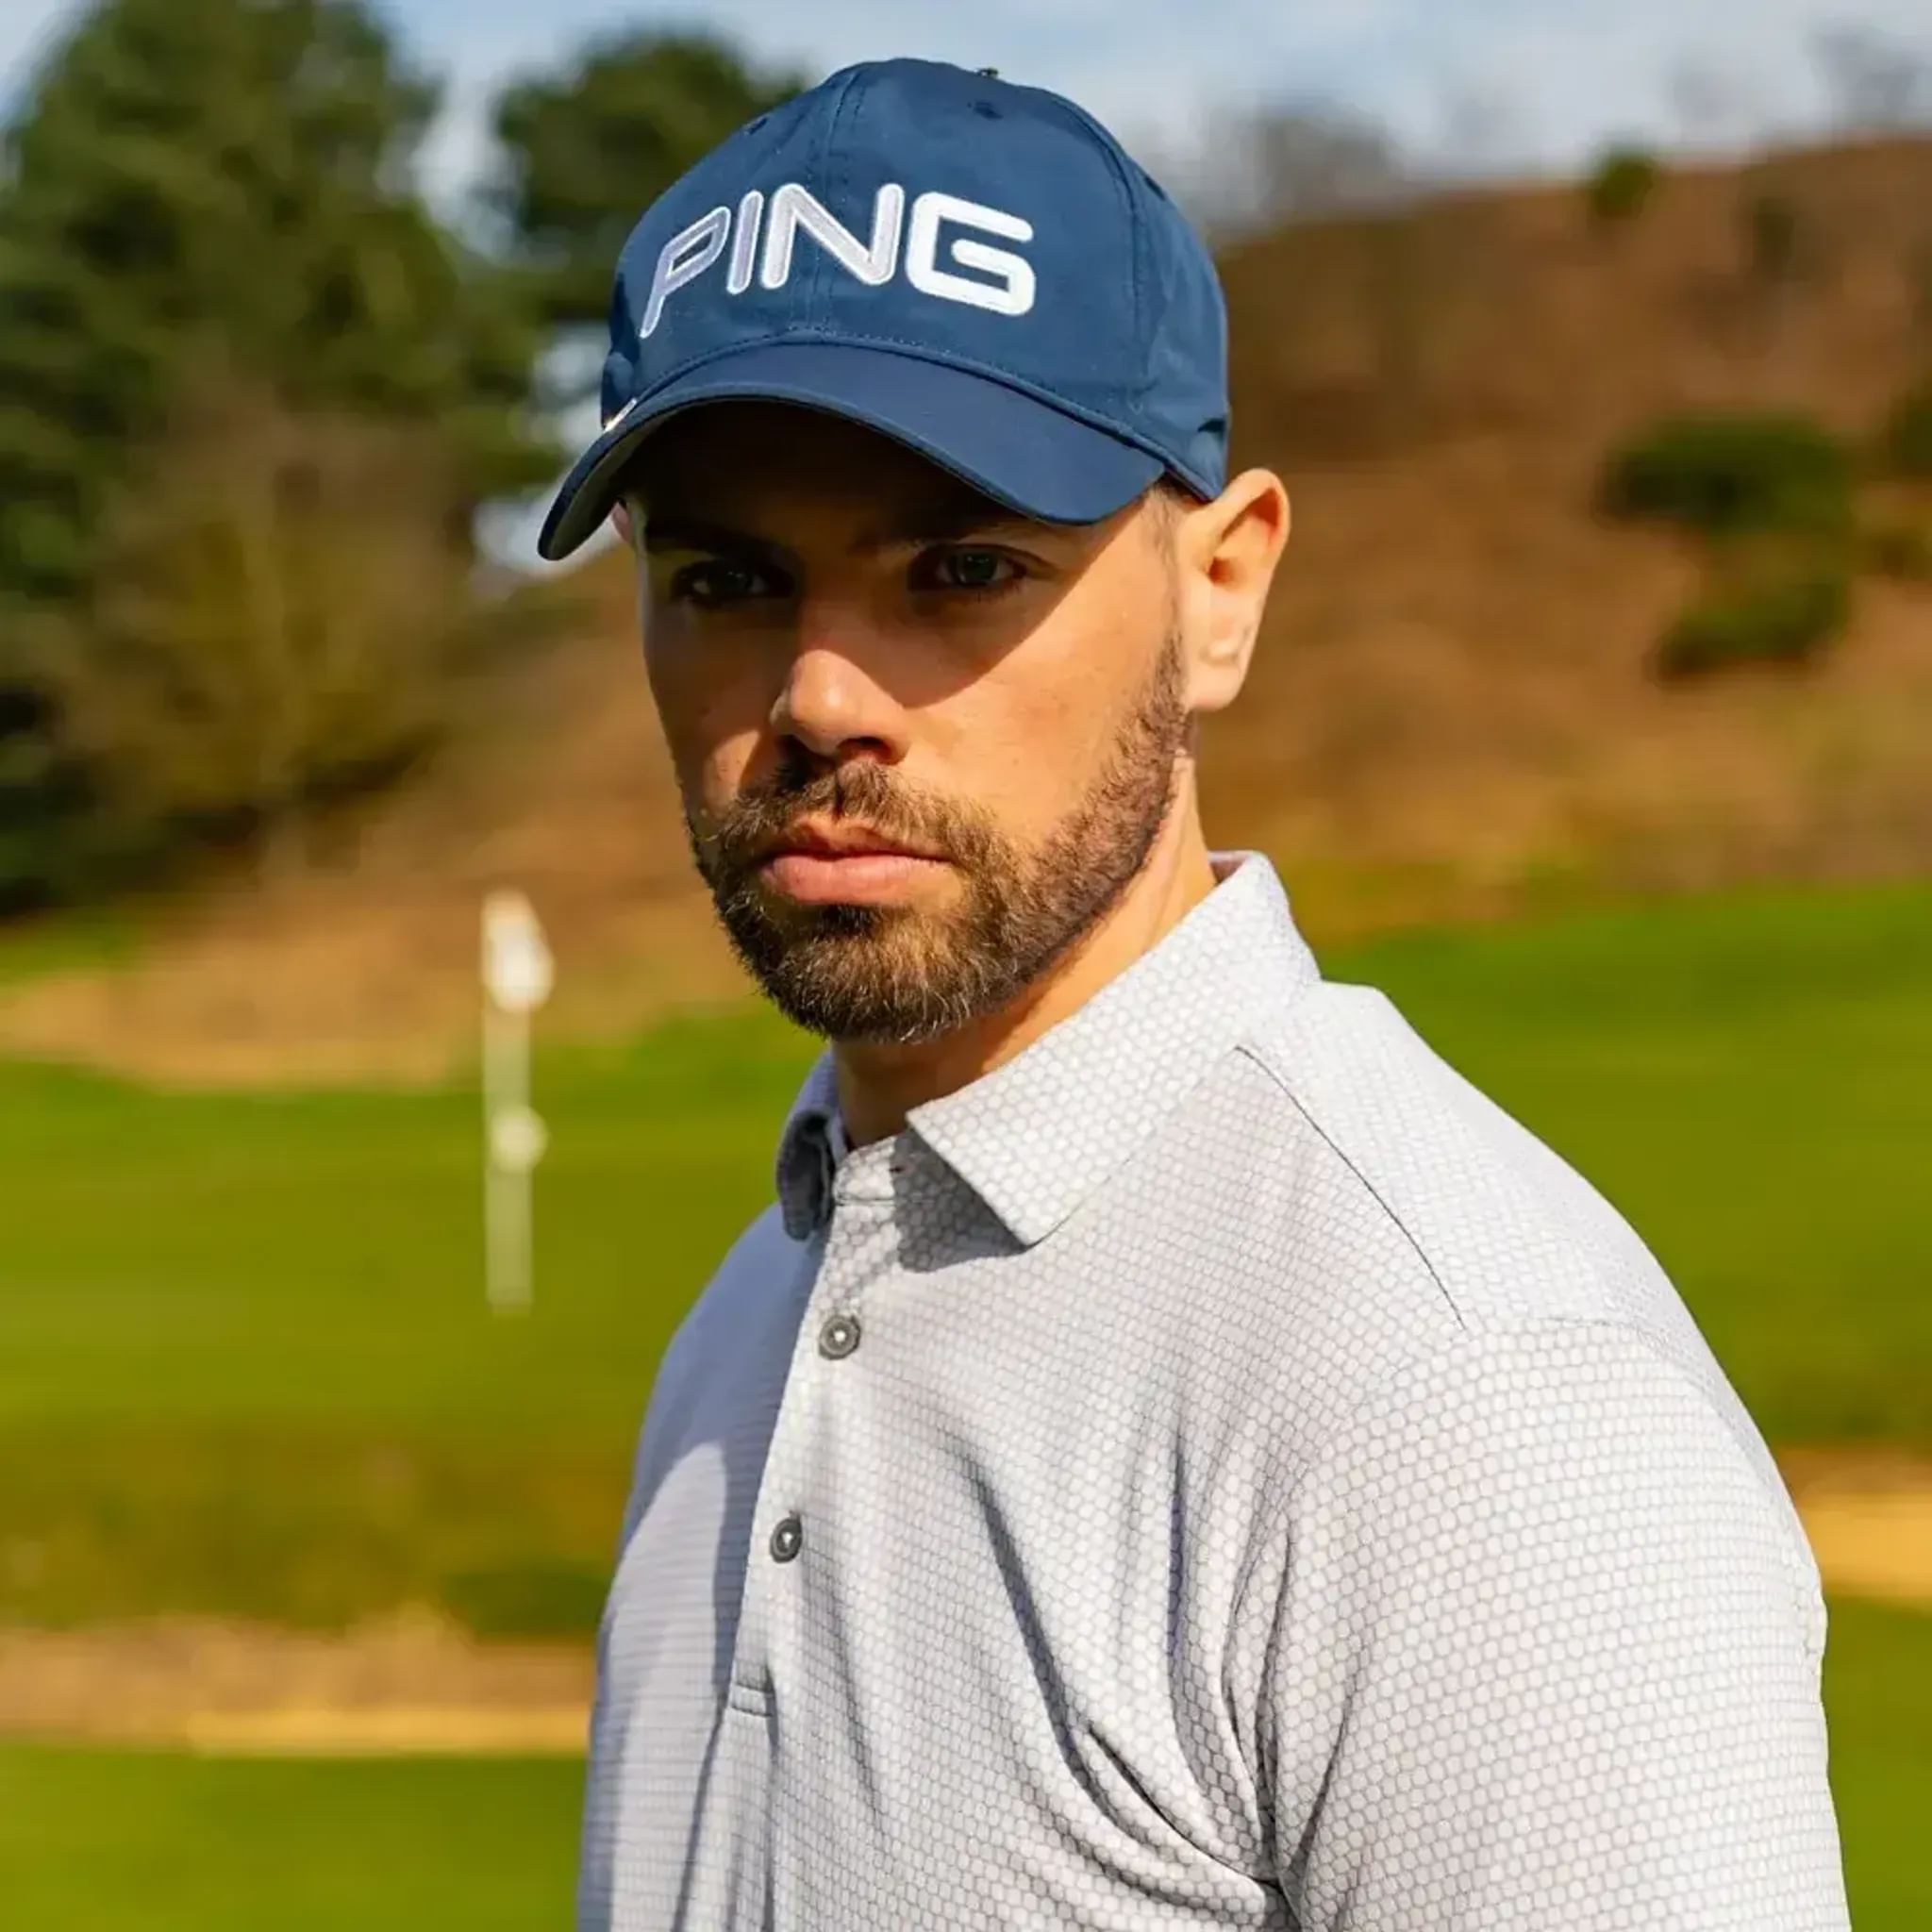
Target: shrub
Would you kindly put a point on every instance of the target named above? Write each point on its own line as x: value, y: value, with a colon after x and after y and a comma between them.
x: 1777, y: 615
x: 1907, y: 440
x: 1775, y: 239
x: 1901, y: 550
x: 1733, y: 475
x: 283, y: 618
x: 1621, y: 186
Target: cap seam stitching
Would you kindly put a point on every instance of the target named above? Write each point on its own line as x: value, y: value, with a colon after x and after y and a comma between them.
x: 831, y: 154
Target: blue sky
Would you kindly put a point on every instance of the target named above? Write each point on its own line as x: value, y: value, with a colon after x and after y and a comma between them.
x: 1526, y: 82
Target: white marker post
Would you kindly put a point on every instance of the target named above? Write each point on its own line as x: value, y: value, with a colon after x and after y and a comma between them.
x: 517, y: 977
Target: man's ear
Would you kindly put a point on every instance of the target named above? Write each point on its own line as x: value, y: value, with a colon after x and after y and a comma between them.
x: 621, y: 522
x: 1226, y: 551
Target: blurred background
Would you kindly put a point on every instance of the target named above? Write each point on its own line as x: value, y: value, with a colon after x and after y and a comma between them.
x: 1592, y: 721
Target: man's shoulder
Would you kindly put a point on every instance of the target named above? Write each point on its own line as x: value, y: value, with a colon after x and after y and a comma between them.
x: 1520, y: 1267
x: 747, y: 1285
x: 1439, y: 1216
x: 744, y: 1312
x: 1502, y: 1228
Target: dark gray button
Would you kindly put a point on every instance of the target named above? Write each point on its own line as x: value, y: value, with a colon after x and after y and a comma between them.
x: 838, y: 1336
x: 786, y: 1540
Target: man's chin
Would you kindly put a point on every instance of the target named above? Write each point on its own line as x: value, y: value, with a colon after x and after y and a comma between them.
x: 820, y: 1004
x: 775, y: 924
x: 856, y: 973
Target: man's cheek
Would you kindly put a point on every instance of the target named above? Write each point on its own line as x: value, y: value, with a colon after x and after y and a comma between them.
x: 716, y: 773
x: 698, y: 713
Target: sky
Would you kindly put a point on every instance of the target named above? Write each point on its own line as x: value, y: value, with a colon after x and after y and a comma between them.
x: 1531, y: 83
x: 1480, y: 85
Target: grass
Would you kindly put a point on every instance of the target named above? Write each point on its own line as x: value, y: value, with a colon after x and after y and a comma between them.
x: 313, y: 1256
x: 94, y: 1842
x: 1878, y: 1706
x: 129, y: 1842
x: 244, y: 1360
x: 245, y: 1363
x: 49, y: 944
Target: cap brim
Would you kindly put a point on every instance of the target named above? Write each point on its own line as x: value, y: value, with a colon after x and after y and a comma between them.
x: 1019, y: 451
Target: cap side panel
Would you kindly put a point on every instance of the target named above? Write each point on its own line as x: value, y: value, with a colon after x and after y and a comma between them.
x: 1120, y: 164
x: 833, y: 164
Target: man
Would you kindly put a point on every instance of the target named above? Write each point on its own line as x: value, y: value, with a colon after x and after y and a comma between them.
x: 1174, y: 1453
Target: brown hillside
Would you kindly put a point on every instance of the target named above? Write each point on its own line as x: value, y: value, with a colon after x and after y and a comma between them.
x: 1449, y: 716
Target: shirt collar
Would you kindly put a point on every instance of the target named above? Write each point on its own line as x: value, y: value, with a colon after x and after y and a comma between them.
x: 1097, y: 1084
x: 806, y: 1155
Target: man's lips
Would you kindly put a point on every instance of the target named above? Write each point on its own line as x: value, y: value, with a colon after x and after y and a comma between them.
x: 844, y: 841
x: 844, y: 865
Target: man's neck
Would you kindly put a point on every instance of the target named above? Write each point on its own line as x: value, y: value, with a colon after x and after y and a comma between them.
x: 879, y: 1084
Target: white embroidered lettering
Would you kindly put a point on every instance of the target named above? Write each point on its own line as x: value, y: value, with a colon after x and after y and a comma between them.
x: 1013, y: 291
x: 794, y: 208
x: 745, y: 244
x: 762, y: 237
x: 683, y: 259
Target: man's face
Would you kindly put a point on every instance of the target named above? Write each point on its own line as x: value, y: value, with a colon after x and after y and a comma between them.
x: 848, y: 649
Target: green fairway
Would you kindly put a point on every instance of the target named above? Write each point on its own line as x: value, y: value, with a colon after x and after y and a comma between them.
x: 137, y: 1843
x: 244, y: 1359
x: 97, y: 1842
x: 1879, y: 1701
x: 245, y: 1364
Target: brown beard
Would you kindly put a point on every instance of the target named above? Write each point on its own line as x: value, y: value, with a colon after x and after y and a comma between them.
x: 898, y: 975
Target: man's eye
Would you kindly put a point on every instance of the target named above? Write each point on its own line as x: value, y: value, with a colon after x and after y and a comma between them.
x: 712, y: 585
x: 968, y: 570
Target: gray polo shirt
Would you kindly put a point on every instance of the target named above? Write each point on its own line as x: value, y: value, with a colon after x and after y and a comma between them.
x: 1217, y: 1470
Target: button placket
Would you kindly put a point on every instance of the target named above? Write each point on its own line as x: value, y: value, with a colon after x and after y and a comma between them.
x: 856, y: 1240
x: 865, y: 1218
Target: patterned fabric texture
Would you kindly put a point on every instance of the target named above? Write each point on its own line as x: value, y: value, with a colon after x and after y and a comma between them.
x: 1217, y: 1470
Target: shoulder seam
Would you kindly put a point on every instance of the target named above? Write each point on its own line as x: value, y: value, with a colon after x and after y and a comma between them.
x: 1251, y: 1049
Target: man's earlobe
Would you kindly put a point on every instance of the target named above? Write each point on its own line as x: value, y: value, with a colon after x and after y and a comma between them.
x: 1227, y: 648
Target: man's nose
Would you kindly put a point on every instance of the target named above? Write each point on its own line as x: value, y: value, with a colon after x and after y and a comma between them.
x: 831, y: 696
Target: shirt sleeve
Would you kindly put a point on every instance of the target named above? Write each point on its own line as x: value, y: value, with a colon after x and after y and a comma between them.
x: 1545, y: 1656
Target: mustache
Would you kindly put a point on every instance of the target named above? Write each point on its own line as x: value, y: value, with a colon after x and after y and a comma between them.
x: 861, y: 790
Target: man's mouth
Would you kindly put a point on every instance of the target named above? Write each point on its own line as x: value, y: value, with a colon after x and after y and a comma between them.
x: 844, y: 864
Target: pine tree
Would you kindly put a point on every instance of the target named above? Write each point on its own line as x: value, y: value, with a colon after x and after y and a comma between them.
x: 591, y: 146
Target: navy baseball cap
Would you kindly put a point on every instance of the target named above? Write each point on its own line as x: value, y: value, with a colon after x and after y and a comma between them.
x: 976, y: 269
